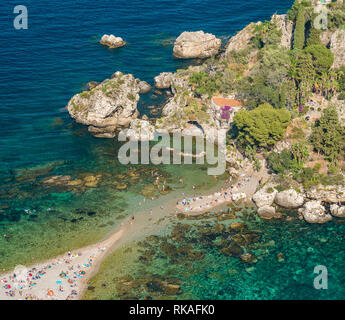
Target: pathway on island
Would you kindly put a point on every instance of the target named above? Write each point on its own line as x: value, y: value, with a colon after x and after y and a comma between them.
x: 61, y: 278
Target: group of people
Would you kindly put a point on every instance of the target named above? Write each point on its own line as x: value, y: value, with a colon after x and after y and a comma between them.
x: 23, y: 285
x: 202, y: 203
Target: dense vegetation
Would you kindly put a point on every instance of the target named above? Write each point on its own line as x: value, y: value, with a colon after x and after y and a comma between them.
x: 328, y: 136
x: 276, y: 84
x: 261, y: 127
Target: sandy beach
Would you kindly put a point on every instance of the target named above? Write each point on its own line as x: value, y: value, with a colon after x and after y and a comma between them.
x: 65, y: 277
x: 61, y: 278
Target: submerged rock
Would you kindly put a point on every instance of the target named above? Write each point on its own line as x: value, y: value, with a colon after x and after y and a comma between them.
x: 112, y: 42
x: 108, y: 106
x: 234, y: 250
x: 289, y: 199
x: 248, y: 258
x: 145, y: 87
x: 314, y: 212
x: 196, y: 45
x: 237, y: 226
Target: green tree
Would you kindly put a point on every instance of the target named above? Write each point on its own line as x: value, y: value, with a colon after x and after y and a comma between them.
x: 299, y: 34
x: 323, y: 57
x: 314, y: 37
x: 328, y: 136
x: 280, y: 163
x: 300, y: 152
x: 261, y: 127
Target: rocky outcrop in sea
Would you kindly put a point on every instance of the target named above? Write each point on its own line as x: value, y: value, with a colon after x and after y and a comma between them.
x: 107, y: 107
x: 196, y: 45
x: 112, y: 42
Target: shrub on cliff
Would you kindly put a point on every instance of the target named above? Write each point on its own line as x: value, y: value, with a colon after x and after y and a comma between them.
x: 328, y: 136
x: 261, y: 127
x: 323, y: 57
x: 299, y: 34
x: 267, y: 81
x: 314, y: 37
x: 205, y: 83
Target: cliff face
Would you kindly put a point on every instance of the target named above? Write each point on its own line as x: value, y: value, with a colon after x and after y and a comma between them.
x: 109, y: 105
x: 243, y: 38
x: 337, y: 45
x: 286, y: 26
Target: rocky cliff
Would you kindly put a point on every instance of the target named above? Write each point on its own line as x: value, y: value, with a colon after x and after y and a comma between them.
x: 109, y: 106
x: 196, y: 45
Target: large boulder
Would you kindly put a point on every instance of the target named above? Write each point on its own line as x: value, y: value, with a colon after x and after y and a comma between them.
x: 314, y: 212
x: 338, y: 48
x: 144, y: 86
x: 164, y: 80
x: 338, y: 211
x: 268, y: 212
x: 286, y: 26
x: 196, y: 45
x: 265, y: 197
x: 108, y: 106
x: 289, y: 199
x: 112, y: 42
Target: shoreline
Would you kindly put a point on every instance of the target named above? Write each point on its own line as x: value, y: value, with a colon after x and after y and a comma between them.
x: 241, y: 191
x: 147, y: 221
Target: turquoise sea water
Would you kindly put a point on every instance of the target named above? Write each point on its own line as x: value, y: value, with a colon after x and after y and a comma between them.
x: 191, y: 256
x: 42, y: 67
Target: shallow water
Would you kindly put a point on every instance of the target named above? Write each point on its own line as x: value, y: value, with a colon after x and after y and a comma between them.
x: 41, y: 68
x: 190, y: 257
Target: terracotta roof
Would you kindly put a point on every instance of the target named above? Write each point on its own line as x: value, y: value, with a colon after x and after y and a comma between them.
x: 221, y: 102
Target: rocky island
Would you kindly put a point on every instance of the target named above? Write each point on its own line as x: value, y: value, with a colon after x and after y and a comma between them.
x: 112, y: 42
x: 288, y: 79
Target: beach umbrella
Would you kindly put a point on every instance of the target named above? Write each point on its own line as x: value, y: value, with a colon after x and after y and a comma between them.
x: 50, y: 293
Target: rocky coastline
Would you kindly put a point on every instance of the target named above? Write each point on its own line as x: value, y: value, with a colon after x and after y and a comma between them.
x: 111, y: 105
